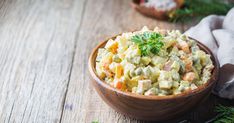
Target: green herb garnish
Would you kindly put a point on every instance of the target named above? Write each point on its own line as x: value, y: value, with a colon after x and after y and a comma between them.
x: 199, y: 8
x: 225, y: 115
x: 148, y: 42
x: 95, y: 121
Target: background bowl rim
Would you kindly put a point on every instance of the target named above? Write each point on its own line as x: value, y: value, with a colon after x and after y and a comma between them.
x: 211, y: 81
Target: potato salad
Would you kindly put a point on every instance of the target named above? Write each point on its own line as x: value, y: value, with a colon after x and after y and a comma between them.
x: 148, y: 62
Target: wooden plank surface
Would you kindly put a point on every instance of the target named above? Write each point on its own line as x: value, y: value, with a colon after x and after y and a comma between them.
x: 103, y: 19
x: 37, y: 43
x: 44, y: 49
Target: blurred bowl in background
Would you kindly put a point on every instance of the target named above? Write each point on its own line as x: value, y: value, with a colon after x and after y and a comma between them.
x: 152, y: 11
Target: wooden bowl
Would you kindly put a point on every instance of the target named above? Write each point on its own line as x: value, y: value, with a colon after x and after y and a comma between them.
x: 154, y: 108
x: 152, y: 12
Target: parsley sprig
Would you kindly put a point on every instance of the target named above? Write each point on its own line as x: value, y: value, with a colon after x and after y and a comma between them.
x: 148, y: 42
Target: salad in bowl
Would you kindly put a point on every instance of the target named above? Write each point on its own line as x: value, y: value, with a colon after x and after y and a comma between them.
x: 152, y: 62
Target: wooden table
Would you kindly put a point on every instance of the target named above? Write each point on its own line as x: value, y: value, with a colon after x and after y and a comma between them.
x: 44, y: 48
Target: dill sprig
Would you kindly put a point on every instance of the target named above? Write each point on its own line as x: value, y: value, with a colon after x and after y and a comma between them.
x: 95, y: 121
x: 199, y: 8
x: 148, y: 42
x: 225, y: 115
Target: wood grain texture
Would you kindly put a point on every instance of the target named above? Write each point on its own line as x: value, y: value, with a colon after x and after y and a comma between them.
x: 44, y: 49
x: 101, y: 20
x: 37, y: 42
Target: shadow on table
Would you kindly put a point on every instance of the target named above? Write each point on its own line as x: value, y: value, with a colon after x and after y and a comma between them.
x: 201, y: 113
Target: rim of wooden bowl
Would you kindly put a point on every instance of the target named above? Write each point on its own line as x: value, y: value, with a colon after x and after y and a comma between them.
x: 188, y: 93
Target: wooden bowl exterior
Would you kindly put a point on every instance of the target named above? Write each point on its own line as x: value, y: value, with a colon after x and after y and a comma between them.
x: 152, y: 12
x: 154, y: 108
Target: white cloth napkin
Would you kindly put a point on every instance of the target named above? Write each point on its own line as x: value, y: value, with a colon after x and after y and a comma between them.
x: 217, y: 33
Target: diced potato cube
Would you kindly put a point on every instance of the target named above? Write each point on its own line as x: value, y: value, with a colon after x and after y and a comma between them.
x: 144, y: 29
x: 136, y: 60
x: 128, y: 67
x: 109, y: 80
x: 175, y: 84
x: 112, y: 67
x: 202, y: 56
x: 143, y: 85
x: 206, y: 75
x: 124, y: 63
x: 131, y: 83
x: 164, y: 92
x: 122, y: 44
x: 116, y: 58
x: 165, y: 84
x: 158, y: 61
x: 132, y: 73
x: 181, y: 88
x: 145, y: 60
x: 165, y: 75
x: 156, y: 29
x: 176, y: 66
x: 163, y: 53
x: 151, y: 91
x: 176, y: 91
x: 185, y: 84
x: 174, y: 51
x: 100, y: 72
x: 127, y: 35
x: 121, y: 55
x: 107, y: 58
x: 184, y: 46
x: 169, y: 42
x: 167, y: 66
x: 175, y: 75
x: 132, y: 52
x: 101, y: 52
x: 156, y: 84
x: 155, y: 73
x: 147, y: 71
x: 134, y: 90
x: 139, y: 71
x: 193, y: 86
x: 137, y: 78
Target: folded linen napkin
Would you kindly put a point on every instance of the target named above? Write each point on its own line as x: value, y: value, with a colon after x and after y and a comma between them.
x: 217, y: 33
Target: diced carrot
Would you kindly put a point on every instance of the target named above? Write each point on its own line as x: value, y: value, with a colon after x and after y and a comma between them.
x: 184, y: 46
x: 114, y: 48
x: 188, y: 65
x: 190, y: 76
x: 106, y: 66
x: 118, y: 84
